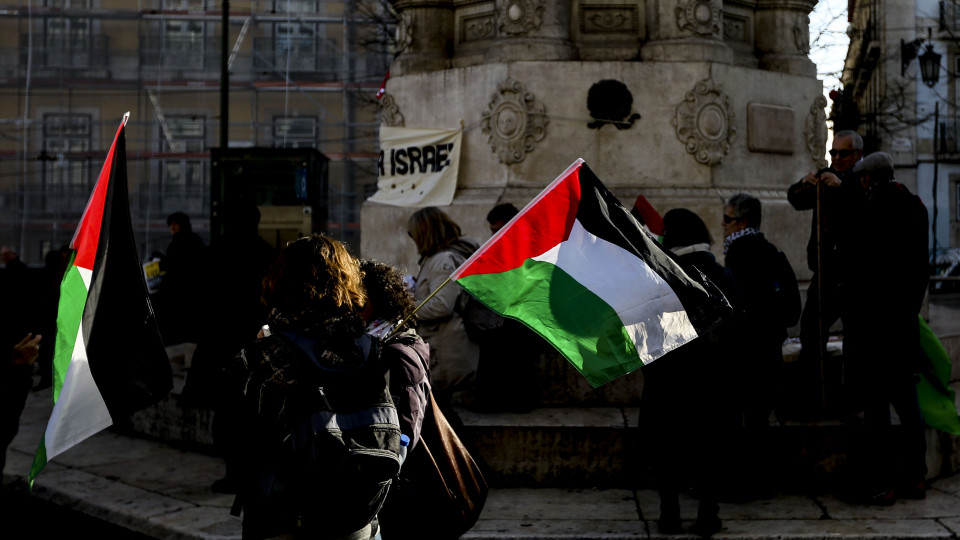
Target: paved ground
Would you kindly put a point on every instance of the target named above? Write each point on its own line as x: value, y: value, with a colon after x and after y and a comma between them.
x: 163, y: 492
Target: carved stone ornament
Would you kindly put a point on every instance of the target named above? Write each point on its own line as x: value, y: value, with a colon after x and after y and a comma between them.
x: 704, y: 123
x: 735, y: 29
x: 404, y: 32
x: 607, y: 19
x: 816, y: 131
x: 514, y: 121
x: 390, y: 113
x: 702, y: 17
x: 520, y: 16
x: 477, y: 27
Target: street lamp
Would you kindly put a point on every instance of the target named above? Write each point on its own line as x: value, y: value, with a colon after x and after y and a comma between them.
x: 930, y: 66
x: 929, y: 60
x: 930, y: 73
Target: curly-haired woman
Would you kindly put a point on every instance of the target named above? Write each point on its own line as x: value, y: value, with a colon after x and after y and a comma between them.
x: 314, y: 292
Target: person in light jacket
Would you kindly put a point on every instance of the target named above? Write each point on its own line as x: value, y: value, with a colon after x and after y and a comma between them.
x: 453, y: 356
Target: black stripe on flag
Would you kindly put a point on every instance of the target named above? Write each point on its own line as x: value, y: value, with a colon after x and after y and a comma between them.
x: 127, y: 358
x: 601, y: 213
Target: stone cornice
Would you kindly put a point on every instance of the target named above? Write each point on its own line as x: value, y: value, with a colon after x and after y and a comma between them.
x: 406, y: 4
x: 799, y: 5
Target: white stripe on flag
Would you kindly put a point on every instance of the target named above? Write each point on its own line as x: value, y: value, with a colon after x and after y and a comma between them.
x: 648, y: 308
x: 80, y: 411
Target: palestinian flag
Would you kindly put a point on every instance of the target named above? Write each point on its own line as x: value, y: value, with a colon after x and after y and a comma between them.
x: 577, y: 268
x: 109, y: 360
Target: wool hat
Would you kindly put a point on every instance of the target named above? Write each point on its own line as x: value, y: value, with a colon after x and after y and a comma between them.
x: 877, y: 161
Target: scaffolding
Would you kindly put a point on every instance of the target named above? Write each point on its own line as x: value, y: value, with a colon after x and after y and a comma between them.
x: 303, y: 74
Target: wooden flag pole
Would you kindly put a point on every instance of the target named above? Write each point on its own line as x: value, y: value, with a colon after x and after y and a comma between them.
x: 821, y: 346
x: 415, y: 310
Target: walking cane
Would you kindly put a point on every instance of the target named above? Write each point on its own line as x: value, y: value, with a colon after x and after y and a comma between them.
x: 821, y: 346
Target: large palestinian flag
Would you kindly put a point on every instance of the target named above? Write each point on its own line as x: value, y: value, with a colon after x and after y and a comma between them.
x: 109, y: 360
x: 579, y: 270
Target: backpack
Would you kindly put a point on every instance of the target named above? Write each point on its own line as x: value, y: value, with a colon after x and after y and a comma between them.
x: 333, y: 466
x: 478, y: 319
x: 786, y: 292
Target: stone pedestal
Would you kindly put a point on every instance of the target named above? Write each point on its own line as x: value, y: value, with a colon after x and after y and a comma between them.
x: 687, y: 31
x: 783, y: 36
x: 425, y: 35
x: 694, y: 134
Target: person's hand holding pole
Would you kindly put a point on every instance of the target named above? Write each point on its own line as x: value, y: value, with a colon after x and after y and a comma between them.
x: 25, y: 352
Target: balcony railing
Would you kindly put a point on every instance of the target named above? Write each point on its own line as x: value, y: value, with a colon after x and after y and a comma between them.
x: 299, y: 55
x: 177, y: 57
x: 316, y: 59
x: 179, y: 54
x: 66, y: 51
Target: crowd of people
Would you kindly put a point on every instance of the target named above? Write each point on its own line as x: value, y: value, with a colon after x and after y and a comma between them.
x: 322, y: 301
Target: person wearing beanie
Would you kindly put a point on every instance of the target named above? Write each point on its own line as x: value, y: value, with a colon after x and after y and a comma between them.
x: 884, y: 270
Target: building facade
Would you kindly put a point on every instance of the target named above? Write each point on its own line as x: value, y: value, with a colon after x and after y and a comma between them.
x: 302, y: 74
x: 900, y: 91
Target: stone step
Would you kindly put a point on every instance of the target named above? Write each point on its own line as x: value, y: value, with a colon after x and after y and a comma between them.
x: 577, y: 446
x: 602, y: 447
x: 556, y: 446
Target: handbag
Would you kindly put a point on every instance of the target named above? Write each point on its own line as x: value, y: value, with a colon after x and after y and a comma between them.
x: 440, y: 490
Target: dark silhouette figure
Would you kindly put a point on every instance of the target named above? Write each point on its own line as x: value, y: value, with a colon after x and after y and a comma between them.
x: 16, y: 377
x: 754, y: 261
x: 54, y: 264
x: 238, y: 262
x: 499, y: 215
x: 822, y: 308
x: 18, y: 298
x: 512, y: 348
x: 181, y: 289
x: 884, y: 275
x: 686, y: 393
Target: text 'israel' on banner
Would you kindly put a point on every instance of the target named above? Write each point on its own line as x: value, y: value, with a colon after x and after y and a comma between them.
x: 417, y: 167
x: 109, y: 360
x: 579, y: 270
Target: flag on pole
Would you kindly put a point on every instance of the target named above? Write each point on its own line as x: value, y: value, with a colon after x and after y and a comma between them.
x: 383, y: 86
x: 937, y: 400
x: 648, y: 215
x: 579, y: 270
x: 109, y: 360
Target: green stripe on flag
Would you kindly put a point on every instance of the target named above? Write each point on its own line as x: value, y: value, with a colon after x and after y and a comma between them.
x: 584, y: 328
x: 73, y: 298
x: 39, y: 462
x: 937, y: 400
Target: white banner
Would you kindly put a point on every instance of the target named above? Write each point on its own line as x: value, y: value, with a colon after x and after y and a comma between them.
x: 418, y: 167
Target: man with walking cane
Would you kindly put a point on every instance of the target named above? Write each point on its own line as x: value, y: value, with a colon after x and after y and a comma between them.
x: 822, y: 192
